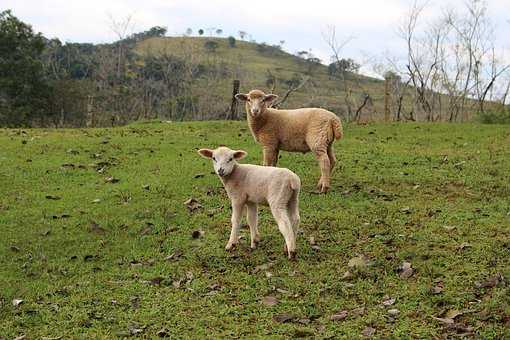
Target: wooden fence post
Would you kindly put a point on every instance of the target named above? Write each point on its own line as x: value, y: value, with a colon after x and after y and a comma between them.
x: 387, y: 99
x: 233, y: 105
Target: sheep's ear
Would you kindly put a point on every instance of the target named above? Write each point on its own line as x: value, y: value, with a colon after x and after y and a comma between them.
x: 270, y: 97
x: 242, y: 96
x: 240, y: 154
x: 206, y: 153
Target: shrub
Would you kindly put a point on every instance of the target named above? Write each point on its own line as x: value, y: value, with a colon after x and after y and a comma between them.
x: 211, y: 45
x: 495, y: 117
x: 266, y: 49
x: 231, y: 41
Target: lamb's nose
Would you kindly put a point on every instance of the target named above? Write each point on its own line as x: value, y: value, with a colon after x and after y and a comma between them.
x: 255, y: 111
x: 220, y: 172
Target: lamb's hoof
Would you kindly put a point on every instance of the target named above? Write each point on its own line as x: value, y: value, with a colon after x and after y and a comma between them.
x: 285, y: 251
x: 253, y: 246
x: 230, y: 247
x: 292, y: 256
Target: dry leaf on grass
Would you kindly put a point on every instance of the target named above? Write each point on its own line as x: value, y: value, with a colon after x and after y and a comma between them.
x: 192, y: 204
x: 388, y: 301
x: 162, y: 333
x: 96, y: 228
x: 358, y: 262
x: 269, y: 301
x: 464, y: 245
x: 437, y: 289
x: 393, y: 312
x: 282, y: 318
x: 368, y: 332
x: 405, y: 270
x: 197, y: 234
x: 339, y: 316
x: 490, y: 282
x: 111, y: 179
x: 17, y: 302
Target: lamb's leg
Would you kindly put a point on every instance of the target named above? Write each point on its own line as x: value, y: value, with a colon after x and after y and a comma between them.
x: 251, y: 215
x: 237, y: 213
x: 294, y: 212
x: 332, y: 158
x: 270, y: 156
x: 282, y: 219
x: 325, y: 165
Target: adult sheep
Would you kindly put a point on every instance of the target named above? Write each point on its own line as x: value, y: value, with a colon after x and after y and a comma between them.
x: 299, y: 130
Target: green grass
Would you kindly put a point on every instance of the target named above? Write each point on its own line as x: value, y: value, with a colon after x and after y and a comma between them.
x: 88, y: 269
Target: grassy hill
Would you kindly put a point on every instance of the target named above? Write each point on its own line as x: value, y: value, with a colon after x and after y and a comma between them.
x: 253, y: 63
x: 96, y: 241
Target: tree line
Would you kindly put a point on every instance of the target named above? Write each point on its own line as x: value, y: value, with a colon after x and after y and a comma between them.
x: 44, y: 82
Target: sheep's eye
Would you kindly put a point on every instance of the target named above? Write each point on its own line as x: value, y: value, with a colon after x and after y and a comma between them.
x: 214, y: 159
x: 231, y: 159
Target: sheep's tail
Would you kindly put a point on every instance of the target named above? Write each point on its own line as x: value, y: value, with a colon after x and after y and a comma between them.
x: 336, y: 126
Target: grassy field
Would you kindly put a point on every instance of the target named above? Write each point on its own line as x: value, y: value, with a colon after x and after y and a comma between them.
x: 96, y: 241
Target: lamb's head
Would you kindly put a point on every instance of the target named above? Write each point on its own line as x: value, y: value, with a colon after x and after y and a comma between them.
x: 224, y: 159
x: 256, y: 101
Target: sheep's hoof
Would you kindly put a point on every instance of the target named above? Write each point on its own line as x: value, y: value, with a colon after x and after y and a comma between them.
x: 285, y: 251
x: 292, y: 256
x: 253, y: 245
x: 322, y: 188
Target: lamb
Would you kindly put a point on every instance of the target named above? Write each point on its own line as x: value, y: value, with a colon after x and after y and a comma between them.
x: 300, y: 130
x: 250, y: 185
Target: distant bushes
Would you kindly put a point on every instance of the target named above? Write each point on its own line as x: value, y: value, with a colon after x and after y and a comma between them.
x: 211, y: 46
x: 266, y: 49
x: 231, y: 42
x: 495, y: 117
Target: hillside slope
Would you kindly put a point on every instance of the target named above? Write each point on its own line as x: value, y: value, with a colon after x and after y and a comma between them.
x: 255, y: 64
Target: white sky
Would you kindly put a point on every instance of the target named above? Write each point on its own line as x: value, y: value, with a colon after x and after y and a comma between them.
x: 373, y: 23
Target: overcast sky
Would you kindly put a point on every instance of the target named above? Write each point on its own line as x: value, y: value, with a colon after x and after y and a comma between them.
x: 373, y: 23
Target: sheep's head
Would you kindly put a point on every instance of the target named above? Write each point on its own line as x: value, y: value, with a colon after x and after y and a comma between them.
x: 256, y: 101
x: 224, y: 159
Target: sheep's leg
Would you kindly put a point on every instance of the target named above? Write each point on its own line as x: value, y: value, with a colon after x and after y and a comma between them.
x: 325, y: 165
x: 282, y: 219
x: 332, y: 158
x: 237, y: 213
x: 251, y: 215
x: 274, y: 161
x: 270, y: 156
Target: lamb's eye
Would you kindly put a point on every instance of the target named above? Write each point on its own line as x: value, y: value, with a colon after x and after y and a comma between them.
x: 231, y: 159
x: 214, y: 159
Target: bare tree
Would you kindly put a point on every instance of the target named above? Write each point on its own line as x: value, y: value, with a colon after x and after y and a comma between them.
x: 121, y: 28
x: 336, y: 47
x: 423, y: 60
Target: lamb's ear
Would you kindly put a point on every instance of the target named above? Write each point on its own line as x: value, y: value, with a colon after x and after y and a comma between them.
x: 206, y: 153
x: 242, y: 96
x: 240, y: 154
x: 268, y: 98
